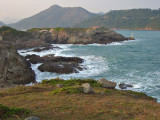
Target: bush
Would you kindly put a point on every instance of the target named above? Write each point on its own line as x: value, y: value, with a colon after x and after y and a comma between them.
x: 71, y: 82
x: 6, y: 112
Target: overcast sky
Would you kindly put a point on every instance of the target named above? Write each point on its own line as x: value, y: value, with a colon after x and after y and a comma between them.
x: 25, y: 8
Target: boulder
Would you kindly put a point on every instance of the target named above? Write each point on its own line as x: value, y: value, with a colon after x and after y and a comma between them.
x: 14, y: 69
x: 32, y: 118
x: 107, y: 84
x: 124, y: 86
x: 59, y: 86
x: 60, y: 67
x: 87, y: 88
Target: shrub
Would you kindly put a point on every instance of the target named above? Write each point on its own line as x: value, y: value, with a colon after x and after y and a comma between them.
x: 71, y: 82
x: 6, y: 112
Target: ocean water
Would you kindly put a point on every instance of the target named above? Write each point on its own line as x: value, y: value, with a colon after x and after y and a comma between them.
x: 135, y: 62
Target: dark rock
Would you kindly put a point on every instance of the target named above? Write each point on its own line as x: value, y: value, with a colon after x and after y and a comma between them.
x: 124, y: 86
x: 46, y: 48
x: 87, y: 88
x: 14, y: 69
x: 34, y: 59
x: 60, y: 67
x: 107, y: 84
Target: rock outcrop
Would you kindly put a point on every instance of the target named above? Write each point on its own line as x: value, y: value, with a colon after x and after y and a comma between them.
x: 37, y: 37
x: 14, y: 69
x: 87, y: 88
x: 57, y: 64
x: 107, y: 84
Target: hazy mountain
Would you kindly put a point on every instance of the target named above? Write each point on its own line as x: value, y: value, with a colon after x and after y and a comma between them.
x: 126, y: 19
x: 1, y: 24
x: 9, y: 20
x: 55, y: 16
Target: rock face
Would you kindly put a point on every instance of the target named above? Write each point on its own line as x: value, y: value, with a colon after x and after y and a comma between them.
x: 107, y: 84
x: 14, y: 69
x: 37, y: 37
x: 87, y: 88
x: 51, y: 63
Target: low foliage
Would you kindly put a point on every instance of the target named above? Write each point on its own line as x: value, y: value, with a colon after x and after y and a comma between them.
x: 68, y: 90
x: 5, y: 30
x: 6, y: 112
x: 71, y: 82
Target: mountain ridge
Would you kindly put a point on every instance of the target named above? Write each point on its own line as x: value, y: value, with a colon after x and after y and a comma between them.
x: 54, y: 16
x: 138, y: 19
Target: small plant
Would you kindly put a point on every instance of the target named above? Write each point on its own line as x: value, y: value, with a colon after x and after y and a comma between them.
x: 6, y: 112
x: 71, y: 82
x: 68, y: 90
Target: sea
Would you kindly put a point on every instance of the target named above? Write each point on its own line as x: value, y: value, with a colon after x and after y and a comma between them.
x: 135, y: 62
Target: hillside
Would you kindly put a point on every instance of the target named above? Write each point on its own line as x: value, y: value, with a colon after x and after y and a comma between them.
x: 145, y: 19
x: 1, y: 24
x: 49, y: 102
x: 55, y: 16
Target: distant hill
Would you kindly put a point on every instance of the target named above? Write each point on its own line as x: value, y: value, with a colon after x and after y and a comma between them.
x: 55, y: 16
x: 1, y: 24
x: 126, y: 19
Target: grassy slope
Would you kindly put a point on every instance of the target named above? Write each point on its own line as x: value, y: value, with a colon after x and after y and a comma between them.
x: 112, y: 105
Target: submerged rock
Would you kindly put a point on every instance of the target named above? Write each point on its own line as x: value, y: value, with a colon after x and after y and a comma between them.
x: 14, y: 69
x: 87, y: 88
x: 124, y: 86
x: 107, y: 84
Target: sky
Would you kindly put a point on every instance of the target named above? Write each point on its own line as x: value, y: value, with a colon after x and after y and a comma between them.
x: 13, y: 10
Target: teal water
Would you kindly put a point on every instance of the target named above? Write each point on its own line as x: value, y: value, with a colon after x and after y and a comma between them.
x: 135, y: 62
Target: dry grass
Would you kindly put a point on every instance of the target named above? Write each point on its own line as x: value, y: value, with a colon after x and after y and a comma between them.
x: 111, y: 105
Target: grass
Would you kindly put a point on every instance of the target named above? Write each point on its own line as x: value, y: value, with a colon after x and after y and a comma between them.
x: 12, y: 113
x: 51, y: 103
x: 68, y: 90
x: 71, y: 82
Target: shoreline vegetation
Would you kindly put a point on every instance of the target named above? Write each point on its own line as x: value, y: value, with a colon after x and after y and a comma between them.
x: 64, y: 99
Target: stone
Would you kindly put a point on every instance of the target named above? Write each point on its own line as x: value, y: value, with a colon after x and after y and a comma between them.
x: 32, y: 118
x: 124, y: 86
x: 60, y: 67
x: 59, y: 86
x: 107, y: 84
x: 87, y: 88
x: 14, y: 69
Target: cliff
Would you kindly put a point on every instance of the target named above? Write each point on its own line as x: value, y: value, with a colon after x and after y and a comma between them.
x: 14, y: 69
x: 43, y: 36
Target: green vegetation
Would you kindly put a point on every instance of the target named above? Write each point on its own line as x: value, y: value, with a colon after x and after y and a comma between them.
x: 5, y: 30
x: 48, y: 102
x: 126, y: 19
x: 68, y: 90
x: 6, y: 112
x: 71, y: 82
